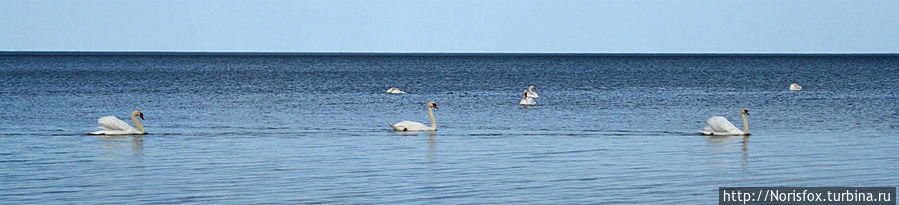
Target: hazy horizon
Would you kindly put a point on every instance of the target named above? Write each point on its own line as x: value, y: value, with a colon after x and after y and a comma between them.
x: 419, y: 53
x: 396, y: 26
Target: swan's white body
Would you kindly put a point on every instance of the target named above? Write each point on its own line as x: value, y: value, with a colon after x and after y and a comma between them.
x: 719, y: 125
x: 527, y: 99
x: 411, y: 126
x: 531, y: 92
x: 395, y: 91
x: 111, y: 125
x: 795, y: 87
x: 416, y: 126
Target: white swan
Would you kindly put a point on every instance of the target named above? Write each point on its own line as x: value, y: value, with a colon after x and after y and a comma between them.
x: 415, y: 126
x: 395, y: 91
x: 719, y: 125
x: 795, y: 87
x: 531, y: 92
x: 114, y: 126
x: 527, y: 100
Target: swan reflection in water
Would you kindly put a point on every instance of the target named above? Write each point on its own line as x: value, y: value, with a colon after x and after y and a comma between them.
x: 432, y: 145
x: 722, y: 144
x: 744, y: 162
x: 115, y: 146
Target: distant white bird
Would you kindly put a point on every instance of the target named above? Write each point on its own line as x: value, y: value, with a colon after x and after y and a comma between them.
x: 395, y: 91
x: 531, y: 92
x: 114, y: 126
x: 415, y: 126
x: 795, y: 87
x: 527, y: 100
x: 719, y: 125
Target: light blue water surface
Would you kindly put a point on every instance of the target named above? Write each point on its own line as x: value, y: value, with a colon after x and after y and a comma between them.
x: 312, y: 129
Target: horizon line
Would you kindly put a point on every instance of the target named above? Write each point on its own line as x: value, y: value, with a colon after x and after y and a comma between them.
x: 279, y: 53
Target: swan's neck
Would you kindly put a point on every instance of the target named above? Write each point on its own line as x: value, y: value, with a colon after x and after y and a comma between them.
x: 433, y: 122
x: 140, y: 128
x: 745, y: 124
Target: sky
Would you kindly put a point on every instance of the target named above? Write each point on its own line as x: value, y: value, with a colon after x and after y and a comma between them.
x: 453, y: 26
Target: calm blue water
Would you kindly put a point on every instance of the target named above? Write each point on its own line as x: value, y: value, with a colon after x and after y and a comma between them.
x: 312, y: 129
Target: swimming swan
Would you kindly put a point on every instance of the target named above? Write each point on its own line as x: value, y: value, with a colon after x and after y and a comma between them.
x: 531, y: 92
x: 415, y: 126
x: 395, y: 91
x: 719, y: 125
x: 114, y: 126
x: 795, y: 87
x: 527, y: 100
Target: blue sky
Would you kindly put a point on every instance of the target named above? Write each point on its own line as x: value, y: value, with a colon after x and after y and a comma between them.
x: 633, y: 26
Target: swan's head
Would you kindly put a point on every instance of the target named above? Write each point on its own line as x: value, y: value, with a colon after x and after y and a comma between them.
x: 137, y: 113
x: 433, y: 105
x: 745, y: 111
x: 533, y: 87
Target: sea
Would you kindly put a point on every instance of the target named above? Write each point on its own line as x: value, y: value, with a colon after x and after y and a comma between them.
x: 313, y: 128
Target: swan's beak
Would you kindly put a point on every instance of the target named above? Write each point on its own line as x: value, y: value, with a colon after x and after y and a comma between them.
x: 435, y: 107
x: 142, y: 116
